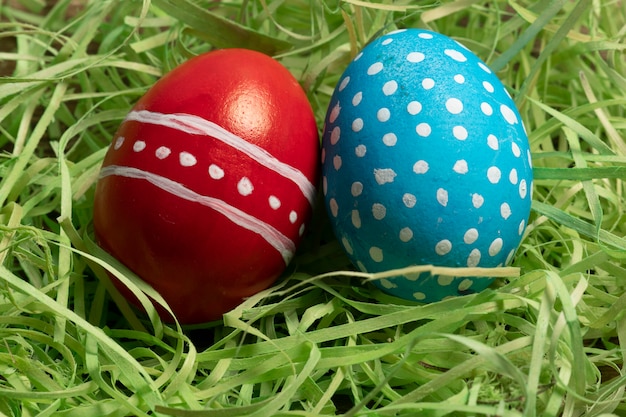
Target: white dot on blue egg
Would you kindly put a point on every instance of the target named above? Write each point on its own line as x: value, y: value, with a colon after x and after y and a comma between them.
x: 360, y: 151
x: 384, y: 175
x: 488, y: 86
x: 405, y: 234
x: 356, y: 219
x: 409, y: 200
x: 459, y: 132
x: 390, y: 139
x: 347, y: 246
x: 484, y: 67
x: 521, y: 227
x: 376, y: 254
x: 356, y: 100
x: 509, y: 257
x: 337, y: 162
x: 419, y: 296
x: 454, y: 105
x: 387, y: 283
x: 420, y: 167
x: 444, y: 280
x: 423, y: 129
x: 428, y: 83
x: 495, y: 247
x: 415, y: 57
x: 383, y: 114
x: 390, y: 87
x: 456, y: 55
x: 460, y: 167
x: 335, y: 135
x: 414, y: 108
x: 443, y: 247
x: 494, y: 174
x: 477, y: 200
x: 379, y: 211
x: 513, y: 176
x: 356, y: 189
x: 359, y: 55
x: 357, y: 125
x: 334, y: 113
x: 424, y: 35
x: 387, y: 41
x: 344, y: 83
x: 465, y: 285
x: 470, y: 236
x: 505, y: 210
x: 486, y: 109
x: 375, y: 68
x: 442, y: 196
x: 492, y: 141
x: 523, y: 190
x: 459, y: 78
x: 334, y: 207
x: 516, y: 150
x: 474, y: 258
x: 508, y: 114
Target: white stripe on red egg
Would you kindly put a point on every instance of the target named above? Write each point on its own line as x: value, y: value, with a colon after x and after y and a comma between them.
x: 271, y: 235
x: 196, y: 125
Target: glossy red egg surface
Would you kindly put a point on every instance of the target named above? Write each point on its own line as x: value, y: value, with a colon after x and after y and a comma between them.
x: 209, y: 181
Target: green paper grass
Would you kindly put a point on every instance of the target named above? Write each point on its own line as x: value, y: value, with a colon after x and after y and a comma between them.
x: 547, y: 339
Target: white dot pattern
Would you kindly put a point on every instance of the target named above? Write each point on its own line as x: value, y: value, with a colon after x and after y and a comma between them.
x: 139, y: 146
x: 390, y: 87
x: 474, y: 258
x: 162, y: 152
x: 414, y: 107
x: 187, y: 159
x: 383, y: 114
x: 216, y: 172
x: 409, y: 200
x: 430, y: 129
x: 244, y: 186
x: 379, y: 211
x: 118, y: 142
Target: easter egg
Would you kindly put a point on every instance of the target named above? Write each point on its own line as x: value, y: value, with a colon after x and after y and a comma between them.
x: 209, y: 181
x: 425, y: 162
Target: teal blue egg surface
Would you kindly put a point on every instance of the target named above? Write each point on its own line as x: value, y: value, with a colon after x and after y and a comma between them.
x: 425, y: 162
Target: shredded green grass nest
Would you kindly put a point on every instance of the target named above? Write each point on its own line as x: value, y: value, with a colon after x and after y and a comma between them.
x: 548, y: 338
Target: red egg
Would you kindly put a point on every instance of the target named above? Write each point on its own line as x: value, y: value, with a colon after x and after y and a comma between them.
x: 209, y: 181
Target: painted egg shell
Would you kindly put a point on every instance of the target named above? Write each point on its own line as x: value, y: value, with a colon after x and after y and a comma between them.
x: 209, y: 181
x: 425, y: 162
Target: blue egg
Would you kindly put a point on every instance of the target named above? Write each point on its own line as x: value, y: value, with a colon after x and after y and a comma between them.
x: 425, y: 162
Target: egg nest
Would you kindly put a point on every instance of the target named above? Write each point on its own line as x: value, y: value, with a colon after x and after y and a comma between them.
x: 547, y: 337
